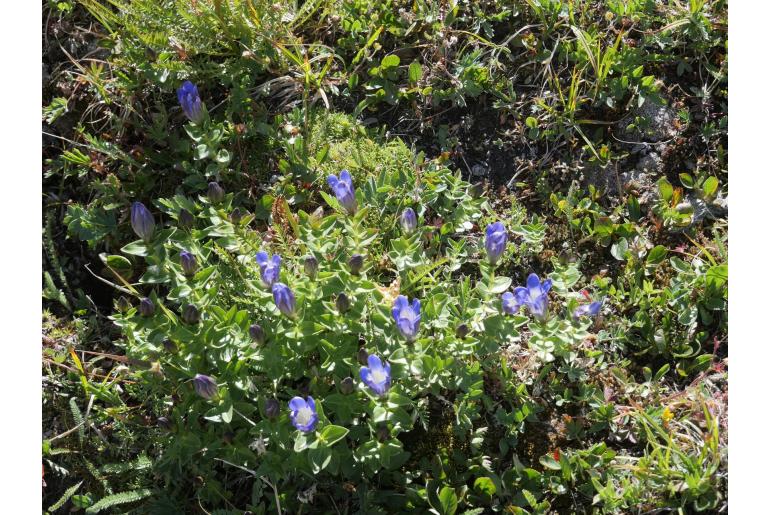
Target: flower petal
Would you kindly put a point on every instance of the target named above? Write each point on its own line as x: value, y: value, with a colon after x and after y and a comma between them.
x: 297, y: 403
x: 311, y: 403
x: 332, y: 180
x: 345, y: 177
x: 261, y: 258
x: 374, y: 362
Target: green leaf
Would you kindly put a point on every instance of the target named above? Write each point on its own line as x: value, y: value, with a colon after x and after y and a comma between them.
x: 619, y: 249
x: 656, y: 255
x: 447, y: 501
x: 710, y: 186
x: 687, y: 180
x: 390, y: 61
x: 65, y: 497
x: 333, y: 434
x: 121, y: 498
x: 135, y: 248
x: 531, y: 122
x: 485, y: 486
x: 500, y: 284
x: 415, y: 72
x: 548, y: 462
x: 665, y: 189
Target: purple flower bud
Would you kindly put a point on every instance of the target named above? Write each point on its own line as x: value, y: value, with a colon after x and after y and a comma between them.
x: 462, y: 331
x: 190, y: 314
x: 189, y: 263
x: 164, y: 423
x: 185, y: 220
x: 269, y: 268
x: 190, y: 101
x: 123, y: 304
x: 303, y: 414
x: 169, y: 346
x: 311, y: 266
x: 591, y: 309
x: 257, y: 334
x: 146, y: 307
x: 407, y: 317
x: 215, y: 193
x: 342, y: 303
x: 356, y: 263
x: 236, y: 215
x: 343, y: 190
x: 205, y: 386
x: 284, y: 299
x: 142, y: 221
x: 382, y: 433
x: 376, y: 376
x: 362, y: 356
x: 272, y: 408
x: 408, y: 220
x: 347, y: 386
x: 495, y: 241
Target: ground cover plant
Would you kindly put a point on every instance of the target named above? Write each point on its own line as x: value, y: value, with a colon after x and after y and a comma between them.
x: 352, y: 257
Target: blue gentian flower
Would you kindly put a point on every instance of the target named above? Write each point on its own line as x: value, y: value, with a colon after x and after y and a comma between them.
x: 407, y: 317
x: 343, y: 190
x: 190, y: 101
x: 534, y: 295
x: 205, y: 386
x: 189, y: 263
x: 408, y: 220
x: 591, y: 309
x: 495, y: 242
x: 376, y: 376
x: 303, y: 413
x: 284, y: 299
x: 511, y: 305
x: 142, y: 221
x: 269, y: 268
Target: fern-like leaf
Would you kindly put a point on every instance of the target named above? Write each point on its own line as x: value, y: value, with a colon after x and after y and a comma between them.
x: 119, y: 498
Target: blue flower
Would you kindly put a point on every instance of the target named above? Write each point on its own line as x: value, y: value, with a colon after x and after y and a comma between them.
x: 270, y: 269
x: 303, y: 414
x: 591, y: 309
x: 408, y: 220
x: 407, y: 317
x: 205, y: 386
x: 284, y: 299
x: 343, y: 190
x: 188, y: 262
x: 376, y: 376
x: 534, y: 295
x: 511, y: 305
x: 190, y: 101
x: 495, y: 241
x: 142, y: 221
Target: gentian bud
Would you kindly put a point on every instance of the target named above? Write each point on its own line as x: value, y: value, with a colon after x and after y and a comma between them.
x: 190, y: 314
x: 383, y: 433
x: 342, y: 303
x: 164, y: 423
x: 257, y: 334
x: 408, y: 220
x: 190, y: 100
x: 303, y: 414
x: 272, y: 408
x: 407, y: 317
x: 347, y: 386
x: 205, y: 386
x: 356, y: 263
x: 235, y: 216
x: 188, y: 262
x: 311, y: 266
x: 284, y: 299
x: 591, y: 309
x: 185, y: 220
x: 146, y: 307
x: 215, y: 193
x: 495, y: 241
x: 362, y: 356
x: 169, y: 346
x: 462, y: 331
x: 123, y: 304
x: 269, y: 268
x: 376, y: 376
x: 142, y: 221
x: 343, y: 190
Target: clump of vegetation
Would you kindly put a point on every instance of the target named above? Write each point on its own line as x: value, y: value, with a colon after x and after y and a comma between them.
x: 345, y: 257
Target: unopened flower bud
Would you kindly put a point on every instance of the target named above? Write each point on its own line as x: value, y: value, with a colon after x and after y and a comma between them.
x: 185, y: 219
x: 272, y: 408
x: 164, y: 423
x: 190, y: 314
x: 189, y: 263
x: 123, y: 304
x: 363, y: 356
x: 142, y: 221
x: 355, y: 263
x: 342, y: 303
x: 236, y: 215
x: 215, y: 192
x: 146, y: 307
x: 257, y: 334
x: 311, y: 266
x: 383, y: 433
x: 169, y: 346
x: 408, y: 220
x: 346, y: 386
x: 205, y: 386
x: 462, y: 331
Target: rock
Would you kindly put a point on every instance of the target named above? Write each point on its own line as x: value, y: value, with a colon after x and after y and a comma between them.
x: 480, y: 170
x: 652, y: 123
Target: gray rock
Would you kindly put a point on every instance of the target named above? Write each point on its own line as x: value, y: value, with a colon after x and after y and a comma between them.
x: 657, y: 124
